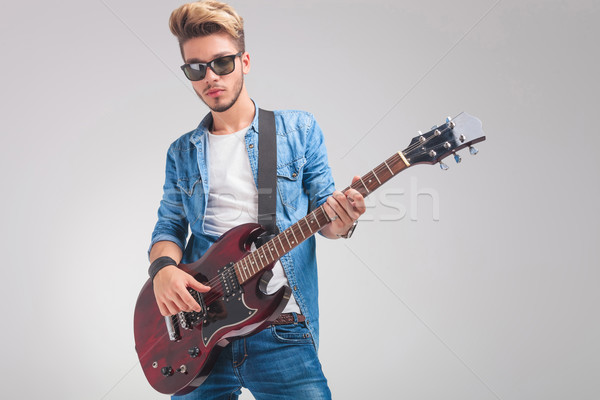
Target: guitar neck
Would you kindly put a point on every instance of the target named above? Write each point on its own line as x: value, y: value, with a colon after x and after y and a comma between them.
x: 283, y: 243
x: 379, y: 175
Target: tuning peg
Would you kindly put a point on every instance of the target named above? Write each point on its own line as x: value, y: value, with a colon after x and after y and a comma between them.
x: 443, y: 166
x: 473, y: 150
x: 457, y: 158
x: 448, y: 119
x: 434, y: 127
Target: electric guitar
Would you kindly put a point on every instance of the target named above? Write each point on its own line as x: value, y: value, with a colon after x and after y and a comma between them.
x: 177, y: 352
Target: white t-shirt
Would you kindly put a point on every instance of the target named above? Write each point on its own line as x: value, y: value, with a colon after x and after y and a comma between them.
x: 233, y: 197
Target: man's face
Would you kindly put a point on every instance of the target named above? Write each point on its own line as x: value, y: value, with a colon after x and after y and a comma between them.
x: 219, y: 93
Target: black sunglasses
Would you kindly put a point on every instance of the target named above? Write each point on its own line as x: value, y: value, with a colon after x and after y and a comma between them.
x: 220, y: 66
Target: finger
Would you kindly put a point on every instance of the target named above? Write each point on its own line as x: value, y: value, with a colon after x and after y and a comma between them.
x: 187, y: 302
x: 356, y: 178
x: 194, y: 284
x: 339, y: 203
x: 356, y: 203
x: 171, y: 308
x: 329, y: 211
x: 164, y: 311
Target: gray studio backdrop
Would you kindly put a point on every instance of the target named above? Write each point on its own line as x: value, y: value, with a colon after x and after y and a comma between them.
x: 475, y: 283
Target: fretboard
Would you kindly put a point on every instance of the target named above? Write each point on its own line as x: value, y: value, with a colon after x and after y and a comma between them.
x: 283, y: 243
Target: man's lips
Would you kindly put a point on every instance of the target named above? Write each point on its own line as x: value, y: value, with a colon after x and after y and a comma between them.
x: 214, y: 92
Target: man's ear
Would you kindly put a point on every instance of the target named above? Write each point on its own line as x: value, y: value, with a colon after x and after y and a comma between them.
x: 245, y: 63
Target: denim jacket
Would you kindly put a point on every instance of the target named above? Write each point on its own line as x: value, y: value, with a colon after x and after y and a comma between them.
x: 304, y: 182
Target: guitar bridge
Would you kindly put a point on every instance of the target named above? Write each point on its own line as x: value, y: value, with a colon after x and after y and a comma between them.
x: 185, y: 320
x: 188, y: 320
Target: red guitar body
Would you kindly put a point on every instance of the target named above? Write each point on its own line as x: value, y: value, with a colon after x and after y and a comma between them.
x: 179, y: 364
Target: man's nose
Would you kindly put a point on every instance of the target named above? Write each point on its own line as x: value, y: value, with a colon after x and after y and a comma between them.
x: 211, y: 75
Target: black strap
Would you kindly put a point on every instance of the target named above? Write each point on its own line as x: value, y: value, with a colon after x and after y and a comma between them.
x: 267, y: 171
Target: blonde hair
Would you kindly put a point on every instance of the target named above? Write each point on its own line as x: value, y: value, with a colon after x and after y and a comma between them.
x: 205, y: 17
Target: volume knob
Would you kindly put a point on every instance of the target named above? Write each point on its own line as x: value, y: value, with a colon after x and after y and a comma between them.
x: 166, y: 371
x: 194, y: 351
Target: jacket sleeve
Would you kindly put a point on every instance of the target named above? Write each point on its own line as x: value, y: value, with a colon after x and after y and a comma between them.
x: 317, y: 178
x: 172, y: 224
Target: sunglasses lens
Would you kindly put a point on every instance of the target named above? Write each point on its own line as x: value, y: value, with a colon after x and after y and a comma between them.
x: 194, y: 72
x: 220, y: 66
x: 224, y: 65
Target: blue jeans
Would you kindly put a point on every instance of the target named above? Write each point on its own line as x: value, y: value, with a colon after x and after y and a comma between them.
x: 279, y: 362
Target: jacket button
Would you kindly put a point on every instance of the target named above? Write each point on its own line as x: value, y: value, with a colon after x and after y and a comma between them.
x: 295, y: 287
x: 251, y: 146
x: 294, y: 175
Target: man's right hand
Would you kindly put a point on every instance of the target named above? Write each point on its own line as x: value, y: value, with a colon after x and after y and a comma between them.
x: 171, y: 291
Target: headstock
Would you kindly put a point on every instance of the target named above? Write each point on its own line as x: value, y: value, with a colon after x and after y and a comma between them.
x: 444, y: 140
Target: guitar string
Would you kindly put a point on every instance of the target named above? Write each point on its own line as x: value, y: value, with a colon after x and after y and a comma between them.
x: 264, y: 256
x: 216, y: 282
x: 380, y: 167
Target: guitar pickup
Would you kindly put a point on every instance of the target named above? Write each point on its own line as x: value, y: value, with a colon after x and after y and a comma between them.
x: 229, y: 281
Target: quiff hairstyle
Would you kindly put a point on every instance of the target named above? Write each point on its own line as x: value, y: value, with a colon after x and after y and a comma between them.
x: 205, y: 17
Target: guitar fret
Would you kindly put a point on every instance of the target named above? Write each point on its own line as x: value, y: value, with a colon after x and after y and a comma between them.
x: 324, y: 214
x: 243, y: 268
x: 245, y: 263
x: 251, y: 265
x: 275, y: 249
x: 301, y: 230
x: 288, y: 240
x: 281, y: 244
x: 361, y: 181
x: 388, y: 167
x: 266, y: 245
x: 327, y: 219
x: 375, y: 175
x: 255, y: 262
x: 308, y: 224
x: 292, y: 230
x: 249, y: 270
x: 237, y: 272
x: 317, y: 219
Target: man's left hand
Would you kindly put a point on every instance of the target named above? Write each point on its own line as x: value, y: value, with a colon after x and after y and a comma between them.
x: 343, y: 209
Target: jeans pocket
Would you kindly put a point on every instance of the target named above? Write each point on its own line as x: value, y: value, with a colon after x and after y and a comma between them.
x: 292, y: 334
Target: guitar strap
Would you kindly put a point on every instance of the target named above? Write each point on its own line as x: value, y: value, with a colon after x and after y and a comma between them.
x: 267, y: 175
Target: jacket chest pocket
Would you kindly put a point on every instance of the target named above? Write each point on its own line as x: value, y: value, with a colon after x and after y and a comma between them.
x: 192, y: 194
x: 289, y: 183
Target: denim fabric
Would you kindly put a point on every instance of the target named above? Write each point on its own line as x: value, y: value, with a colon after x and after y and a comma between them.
x: 304, y: 182
x: 279, y: 362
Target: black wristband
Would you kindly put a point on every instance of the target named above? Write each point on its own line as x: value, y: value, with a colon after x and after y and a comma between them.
x: 159, y: 264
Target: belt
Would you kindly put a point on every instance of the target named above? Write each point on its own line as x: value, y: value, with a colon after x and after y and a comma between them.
x: 288, y: 318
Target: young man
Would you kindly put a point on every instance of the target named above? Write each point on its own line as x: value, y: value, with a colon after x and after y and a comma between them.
x: 211, y: 187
